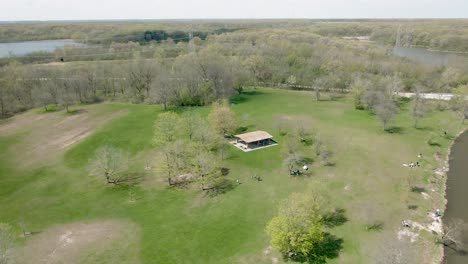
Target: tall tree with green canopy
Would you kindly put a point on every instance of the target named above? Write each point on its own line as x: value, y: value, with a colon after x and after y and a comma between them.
x: 298, y: 228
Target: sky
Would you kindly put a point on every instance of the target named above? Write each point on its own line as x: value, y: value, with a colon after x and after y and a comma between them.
x: 13, y: 10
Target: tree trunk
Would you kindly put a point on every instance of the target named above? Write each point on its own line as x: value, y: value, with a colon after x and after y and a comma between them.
x: 2, y: 106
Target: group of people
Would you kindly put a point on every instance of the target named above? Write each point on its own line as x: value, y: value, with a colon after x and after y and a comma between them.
x: 414, y: 164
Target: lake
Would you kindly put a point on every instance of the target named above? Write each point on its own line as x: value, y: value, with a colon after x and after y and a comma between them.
x: 435, y: 58
x: 25, y: 47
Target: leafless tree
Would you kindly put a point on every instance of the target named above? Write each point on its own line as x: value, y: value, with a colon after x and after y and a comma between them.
x: 174, y: 160
x: 163, y: 88
x: 386, y: 110
x: 207, y: 171
x: 109, y: 163
x: 418, y: 107
x: 451, y: 235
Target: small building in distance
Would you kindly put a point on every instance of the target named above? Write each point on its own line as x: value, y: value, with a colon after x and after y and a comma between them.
x: 253, y: 140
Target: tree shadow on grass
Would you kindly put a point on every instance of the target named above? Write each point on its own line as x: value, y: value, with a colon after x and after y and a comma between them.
x: 76, y: 111
x: 329, y: 248
x: 244, y: 97
x: 395, y: 130
x: 223, y: 187
x: 424, y: 128
x: 417, y: 189
x: 335, y: 218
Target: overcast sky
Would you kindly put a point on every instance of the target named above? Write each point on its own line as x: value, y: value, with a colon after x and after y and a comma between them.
x: 164, y: 9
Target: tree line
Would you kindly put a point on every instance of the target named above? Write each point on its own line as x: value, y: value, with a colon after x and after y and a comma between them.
x: 219, y: 67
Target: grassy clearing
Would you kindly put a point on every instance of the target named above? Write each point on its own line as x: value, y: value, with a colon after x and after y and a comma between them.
x: 184, y: 226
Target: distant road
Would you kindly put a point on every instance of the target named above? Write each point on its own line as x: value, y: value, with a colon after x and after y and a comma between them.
x: 433, y: 96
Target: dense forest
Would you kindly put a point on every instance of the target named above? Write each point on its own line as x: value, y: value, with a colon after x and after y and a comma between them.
x: 206, y: 67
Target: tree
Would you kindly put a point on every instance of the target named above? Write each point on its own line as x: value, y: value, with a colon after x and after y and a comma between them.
x: 162, y: 88
x: 223, y: 119
x: 451, y: 235
x: 386, y: 111
x: 192, y: 123
x: 282, y: 123
x: 6, y: 242
x: 293, y: 161
x: 298, y: 226
x: 459, y: 101
x: 418, y: 107
x: 109, y: 163
x: 174, y: 160
x: 358, y: 90
x: 66, y: 97
x: 166, y: 127
x: 207, y: 170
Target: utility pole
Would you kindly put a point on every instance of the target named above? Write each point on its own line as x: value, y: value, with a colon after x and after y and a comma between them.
x: 191, y: 44
x: 398, y: 37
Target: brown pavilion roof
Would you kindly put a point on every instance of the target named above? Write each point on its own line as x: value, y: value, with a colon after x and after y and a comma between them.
x: 254, y: 136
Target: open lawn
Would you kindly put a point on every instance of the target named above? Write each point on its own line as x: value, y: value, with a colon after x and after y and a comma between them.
x: 175, y: 225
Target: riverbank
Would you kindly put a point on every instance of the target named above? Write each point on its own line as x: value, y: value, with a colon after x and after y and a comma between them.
x: 449, y: 212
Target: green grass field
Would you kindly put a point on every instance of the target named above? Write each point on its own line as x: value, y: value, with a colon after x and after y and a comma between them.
x: 185, y: 226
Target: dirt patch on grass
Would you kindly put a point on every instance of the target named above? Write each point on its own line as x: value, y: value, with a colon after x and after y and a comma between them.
x: 79, y: 242
x: 47, y: 135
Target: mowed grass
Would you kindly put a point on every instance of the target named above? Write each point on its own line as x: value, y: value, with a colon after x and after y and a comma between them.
x: 186, y: 226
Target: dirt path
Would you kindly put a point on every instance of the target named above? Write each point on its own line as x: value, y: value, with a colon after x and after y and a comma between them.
x: 46, y: 136
x: 73, y: 243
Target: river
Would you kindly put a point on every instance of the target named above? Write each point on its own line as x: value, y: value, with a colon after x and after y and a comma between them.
x: 25, y: 47
x: 457, y: 177
x: 435, y: 58
x: 457, y: 195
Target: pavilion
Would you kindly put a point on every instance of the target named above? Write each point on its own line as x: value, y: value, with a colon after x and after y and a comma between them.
x: 253, y: 140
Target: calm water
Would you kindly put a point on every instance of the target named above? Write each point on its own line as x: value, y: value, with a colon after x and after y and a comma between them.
x: 23, y: 48
x: 457, y: 195
x: 430, y: 57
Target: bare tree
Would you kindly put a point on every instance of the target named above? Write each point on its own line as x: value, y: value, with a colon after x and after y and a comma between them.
x: 207, y: 170
x: 166, y: 127
x: 109, y: 163
x: 174, y: 160
x: 281, y: 123
x: 162, y: 88
x: 386, y: 111
x: 418, y: 107
x: 66, y: 97
x: 451, y: 235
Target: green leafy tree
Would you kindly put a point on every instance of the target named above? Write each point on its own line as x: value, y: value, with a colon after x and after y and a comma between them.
x: 298, y: 227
